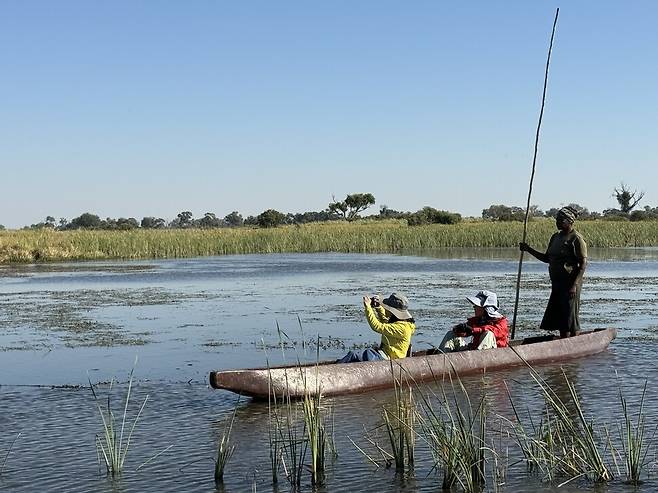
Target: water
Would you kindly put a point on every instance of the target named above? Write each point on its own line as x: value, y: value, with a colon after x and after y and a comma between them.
x: 63, y: 324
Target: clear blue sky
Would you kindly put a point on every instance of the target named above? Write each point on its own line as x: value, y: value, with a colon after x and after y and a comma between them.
x: 147, y: 108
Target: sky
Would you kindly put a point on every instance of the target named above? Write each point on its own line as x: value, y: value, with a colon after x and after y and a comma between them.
x: 143, y: 108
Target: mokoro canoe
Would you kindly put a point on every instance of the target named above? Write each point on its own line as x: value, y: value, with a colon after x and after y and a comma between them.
x: 350, y: 378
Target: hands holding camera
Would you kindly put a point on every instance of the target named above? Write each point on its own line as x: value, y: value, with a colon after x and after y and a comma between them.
x: 371, y: 301
x: 462, y: 330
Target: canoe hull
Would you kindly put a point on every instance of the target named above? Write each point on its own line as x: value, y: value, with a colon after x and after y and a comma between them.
x: 351, y: 378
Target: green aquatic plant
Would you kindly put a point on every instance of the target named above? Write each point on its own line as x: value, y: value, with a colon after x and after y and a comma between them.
x: 225, y: 448
x: 635, y: 442
x: 110, y: 444
x: 456, y: 433
x: 400, y: 424
x: 566, y: 442
x: 11, y: 446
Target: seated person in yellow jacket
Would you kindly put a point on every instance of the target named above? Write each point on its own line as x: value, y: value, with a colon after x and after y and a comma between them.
x: 390, y: 318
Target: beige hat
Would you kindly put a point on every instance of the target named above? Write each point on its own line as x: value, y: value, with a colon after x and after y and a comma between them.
x: 398, y: 305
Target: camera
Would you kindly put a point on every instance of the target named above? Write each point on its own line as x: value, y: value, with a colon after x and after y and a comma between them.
x: 374, y: 302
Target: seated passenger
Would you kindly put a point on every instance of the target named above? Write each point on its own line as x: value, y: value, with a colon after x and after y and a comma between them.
x: 488, y: 326
x: 391, y: 319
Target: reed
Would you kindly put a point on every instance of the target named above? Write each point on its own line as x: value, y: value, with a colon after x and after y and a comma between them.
x: 566, y: 442
x: 316, y: 436
x: 400, y: 424
x: 11, y: 446
x: 111, y: 445
x: 315, y: 426
x: 457, y: 437
x: 635, y: 442
x: 225, y: 448
x: 391, y: 236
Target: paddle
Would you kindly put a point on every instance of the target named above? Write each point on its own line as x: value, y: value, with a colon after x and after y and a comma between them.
x: 532, y: 175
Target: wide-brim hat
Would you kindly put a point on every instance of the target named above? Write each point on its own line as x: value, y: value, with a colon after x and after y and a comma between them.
x: 487, y: 300
x: 398, y: 305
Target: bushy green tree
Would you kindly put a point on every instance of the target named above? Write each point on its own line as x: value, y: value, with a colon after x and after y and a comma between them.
x: 234, y: 219
x: 502, y: 212
x: 153, y: 223
x: 86, y: 221
x: 270, y: 218
x: 127, y: 223
x: 209, y: 220
x: 352, y: 206
x: 430, y: 215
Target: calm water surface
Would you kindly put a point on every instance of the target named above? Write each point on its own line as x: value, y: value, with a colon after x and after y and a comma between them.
x: 63, y: 324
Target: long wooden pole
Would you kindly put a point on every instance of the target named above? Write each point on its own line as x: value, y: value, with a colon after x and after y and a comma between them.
x: 532, y: 175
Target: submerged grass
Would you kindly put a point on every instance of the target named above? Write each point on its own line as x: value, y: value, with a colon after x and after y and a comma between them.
x: 366, y: 236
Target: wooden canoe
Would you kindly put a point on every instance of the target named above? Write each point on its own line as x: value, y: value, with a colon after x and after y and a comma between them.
x: 350, y: 378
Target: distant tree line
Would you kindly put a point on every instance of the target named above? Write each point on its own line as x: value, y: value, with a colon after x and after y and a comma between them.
x: 350, y: 209
x: 626, y: 199
x: 345, y: 210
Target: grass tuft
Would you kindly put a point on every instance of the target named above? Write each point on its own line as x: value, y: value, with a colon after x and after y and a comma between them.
x: 110, y: 444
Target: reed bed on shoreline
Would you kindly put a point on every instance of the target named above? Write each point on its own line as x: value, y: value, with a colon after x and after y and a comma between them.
x: 365, y: 236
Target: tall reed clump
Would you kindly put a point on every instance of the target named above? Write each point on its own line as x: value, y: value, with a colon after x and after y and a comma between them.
x: 456, y: 433
x: 635, y: 442
x: 400, y: 424
x: 565, y: 443
x: 292, y: 433
x: 4, y: 461
x: 110, y: 445
x: 315, y: 422
x: 316, y: 435
x: 225, y: 448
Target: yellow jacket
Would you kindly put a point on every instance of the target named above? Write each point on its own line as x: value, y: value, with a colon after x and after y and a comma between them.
x: 396, y: 336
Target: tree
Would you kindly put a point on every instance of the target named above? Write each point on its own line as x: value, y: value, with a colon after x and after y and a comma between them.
x: 502, y: 212
x: 385, y: 212
x: 270, y: 218
x: 430, y: 215
x: 183, y: 220
x: 86, y: 221
x: 583, y: 212
x: 153, y: 223
x: 50, y: 222
x: 63, y: 223
x: 2, y: 227
x: 209, y: 220
x: 127, y: 223
x: 627, y: 199
x: 234, y: 219
x: 352, y: 205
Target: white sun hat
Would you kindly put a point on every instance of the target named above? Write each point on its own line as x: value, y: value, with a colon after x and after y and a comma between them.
x: 487, y: 300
